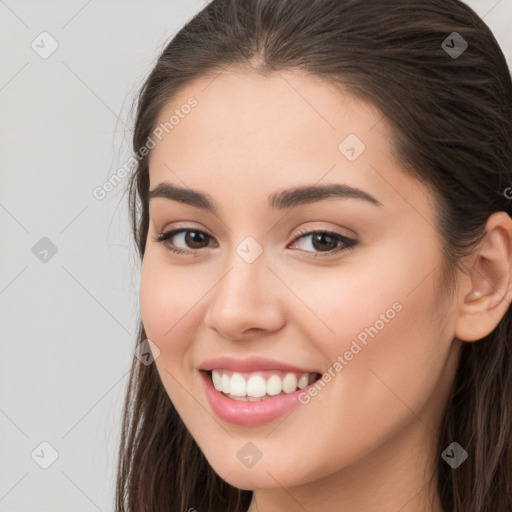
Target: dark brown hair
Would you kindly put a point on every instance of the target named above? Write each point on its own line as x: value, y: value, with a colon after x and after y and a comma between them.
x: 452, y: 129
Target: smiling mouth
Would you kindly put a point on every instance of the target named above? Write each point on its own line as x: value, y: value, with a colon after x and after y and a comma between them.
x: 259, y: 385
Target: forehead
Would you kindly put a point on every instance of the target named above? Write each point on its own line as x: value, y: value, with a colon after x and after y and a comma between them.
x: 261, y: 113
x: 252, y: 133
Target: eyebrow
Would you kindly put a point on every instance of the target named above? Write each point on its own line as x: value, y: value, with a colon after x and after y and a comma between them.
x: 279, y: 200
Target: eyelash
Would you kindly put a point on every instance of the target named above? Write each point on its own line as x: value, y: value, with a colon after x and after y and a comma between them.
x: 163, y: 237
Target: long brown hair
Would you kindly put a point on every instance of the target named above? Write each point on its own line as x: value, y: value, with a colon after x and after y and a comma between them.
x: 452, y: 127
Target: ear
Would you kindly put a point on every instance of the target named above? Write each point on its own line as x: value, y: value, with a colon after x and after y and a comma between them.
x: 486, y: 292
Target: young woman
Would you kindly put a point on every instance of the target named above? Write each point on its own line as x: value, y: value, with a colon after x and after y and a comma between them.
x: 321, y: 206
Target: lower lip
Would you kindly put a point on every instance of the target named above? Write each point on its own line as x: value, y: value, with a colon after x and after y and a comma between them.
x: 245, y: 413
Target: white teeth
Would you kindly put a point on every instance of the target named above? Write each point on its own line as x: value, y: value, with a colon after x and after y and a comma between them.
x: 237, y: 386
x: 303, y: 382
x: 225, y: 383
x: 254, y: 387
x: 274, y: 385
x: 217, y: 380
x: 289, y: 383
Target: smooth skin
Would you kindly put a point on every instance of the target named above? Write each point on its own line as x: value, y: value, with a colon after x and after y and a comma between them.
x: 367, y: 440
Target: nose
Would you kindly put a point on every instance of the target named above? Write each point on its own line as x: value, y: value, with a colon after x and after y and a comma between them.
x: 245, y: 302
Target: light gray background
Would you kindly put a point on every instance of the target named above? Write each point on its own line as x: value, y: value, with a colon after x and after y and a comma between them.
x: 68, y: 324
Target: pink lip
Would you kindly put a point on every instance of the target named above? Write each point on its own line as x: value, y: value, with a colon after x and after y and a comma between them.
x: 249, y: 413
x: 250, y: 364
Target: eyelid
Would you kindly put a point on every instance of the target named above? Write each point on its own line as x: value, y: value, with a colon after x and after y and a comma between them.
x: 309, y: 227
x: 314, y: 229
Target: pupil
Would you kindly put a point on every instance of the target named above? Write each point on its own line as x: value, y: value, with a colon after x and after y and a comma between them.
x: 196, y: 238
x: 322, y: 237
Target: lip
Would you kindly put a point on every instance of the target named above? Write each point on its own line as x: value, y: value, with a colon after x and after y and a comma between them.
x: 248, y: 414
x: 251, y: 364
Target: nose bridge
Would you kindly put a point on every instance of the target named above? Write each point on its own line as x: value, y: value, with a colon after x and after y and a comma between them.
x: 244, y: 298
x: 243, y: 285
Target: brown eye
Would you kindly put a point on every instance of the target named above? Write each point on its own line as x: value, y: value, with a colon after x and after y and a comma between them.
x: 324, y: 242
x: 195, y: 239
x: 190, y: 240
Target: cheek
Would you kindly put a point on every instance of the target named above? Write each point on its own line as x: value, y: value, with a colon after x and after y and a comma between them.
x: 378, y: 331
x: 385, y: 300
x: 172, y: 301
x: 403, y: 362
x: 380, y: 385
x: 166, y: 298
x: 155, y: 303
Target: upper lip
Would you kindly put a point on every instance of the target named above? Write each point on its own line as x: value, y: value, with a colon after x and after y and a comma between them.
x: 250, y: 364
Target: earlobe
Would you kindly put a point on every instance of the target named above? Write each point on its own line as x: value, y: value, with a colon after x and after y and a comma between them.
x: 489, y: 282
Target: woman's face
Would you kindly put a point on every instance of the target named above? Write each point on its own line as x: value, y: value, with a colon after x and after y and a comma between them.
x: 285, y: 286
